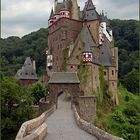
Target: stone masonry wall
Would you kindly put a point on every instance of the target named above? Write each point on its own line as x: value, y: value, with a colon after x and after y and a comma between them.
x: 72, y: 89
x: 87, y: 107
x: 44, y: 105
x: 34, y: 129
x: 61, y: 34
x: 93, y: 130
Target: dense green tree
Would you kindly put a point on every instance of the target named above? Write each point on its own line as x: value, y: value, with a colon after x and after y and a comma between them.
x: 16, y: 107
x: 14, y: 50
x: 131, y: 81
x: 38, y: 92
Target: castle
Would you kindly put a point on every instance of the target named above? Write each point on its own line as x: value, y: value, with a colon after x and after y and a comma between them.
x: 83, y: 39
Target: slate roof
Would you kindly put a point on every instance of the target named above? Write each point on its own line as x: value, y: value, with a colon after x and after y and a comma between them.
x: 64, y: 78
x: 26, y: 72
x: 89, y: 43
x: 52, y: 14
x: 106, y: 57
x: 66, y: 4
x: 89, y: 12
x: 58, y: 7
x: 87, y: 39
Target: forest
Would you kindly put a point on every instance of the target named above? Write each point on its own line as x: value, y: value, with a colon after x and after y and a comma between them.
x: 14, y: 50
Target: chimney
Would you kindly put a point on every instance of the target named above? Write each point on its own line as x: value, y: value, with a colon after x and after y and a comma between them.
x: 34, y: 65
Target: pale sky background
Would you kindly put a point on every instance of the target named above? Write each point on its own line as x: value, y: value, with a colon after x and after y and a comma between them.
x: 20, y: 17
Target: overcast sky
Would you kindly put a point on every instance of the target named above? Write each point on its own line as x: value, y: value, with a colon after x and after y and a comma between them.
x: 20, y: 17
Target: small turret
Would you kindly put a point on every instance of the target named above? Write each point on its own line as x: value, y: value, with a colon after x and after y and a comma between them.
x: 55, y: 4
x: 51, y: 19
x: 89, y: 12
x: 88, y: 44
x: 104, y: 29
x: 75, y: 10
x: 64, y: 12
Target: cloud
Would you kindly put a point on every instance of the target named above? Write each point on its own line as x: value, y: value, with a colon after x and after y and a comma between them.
x: 20, y: 17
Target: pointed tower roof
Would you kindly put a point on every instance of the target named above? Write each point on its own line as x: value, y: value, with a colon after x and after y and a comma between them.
x: 106, y: 55
x: 28, y: 62
x: 52, y: 13
x: 64, y: 6
x: 89, y: 12
x: 87, y: 39
x: 89, y: 44
x: 90, y: 5
x: 27, y: 72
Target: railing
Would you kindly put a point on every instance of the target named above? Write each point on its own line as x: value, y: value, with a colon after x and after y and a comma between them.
x: 91, y: 129
x: 35, y: 129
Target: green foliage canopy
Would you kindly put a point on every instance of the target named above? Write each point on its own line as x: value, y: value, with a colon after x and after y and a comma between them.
x: 16, y: 107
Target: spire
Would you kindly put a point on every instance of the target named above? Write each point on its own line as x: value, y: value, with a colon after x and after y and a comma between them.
x: 28, y: 61
x: 64, y: 5
x: 103, y: 13
x: 52, y: 13
x: 75, y: 10
x: 89, y: 12
x: 55, y: 4
x: 90, y: 5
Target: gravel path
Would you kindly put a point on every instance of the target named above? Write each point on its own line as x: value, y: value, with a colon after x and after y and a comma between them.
x: 62, y: 126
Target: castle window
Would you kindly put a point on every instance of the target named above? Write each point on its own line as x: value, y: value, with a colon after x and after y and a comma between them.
x: 26, y: 73
x: 79, y: 48
x: 112, y: 83
x: 87, y: 15
x: 71, y: 67
x: 78, y: 67
x: 77, y: 57
x: 89, y: 56
x: 112, y: 72
x: 32, y: 73
x: 104, y: 72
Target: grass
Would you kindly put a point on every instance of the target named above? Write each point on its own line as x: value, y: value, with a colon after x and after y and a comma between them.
x: 122, y: 120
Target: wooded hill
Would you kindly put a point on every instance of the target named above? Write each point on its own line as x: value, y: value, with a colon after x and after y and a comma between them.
x: 14, y: 50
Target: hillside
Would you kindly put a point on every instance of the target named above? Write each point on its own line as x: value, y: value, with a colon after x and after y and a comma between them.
x: 14, y: 50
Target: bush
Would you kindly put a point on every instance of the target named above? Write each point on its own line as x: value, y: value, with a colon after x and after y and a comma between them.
x: 38, y: 92
x: 118, y: 117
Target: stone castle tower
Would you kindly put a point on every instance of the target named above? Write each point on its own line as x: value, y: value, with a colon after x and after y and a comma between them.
x: 80, y: 39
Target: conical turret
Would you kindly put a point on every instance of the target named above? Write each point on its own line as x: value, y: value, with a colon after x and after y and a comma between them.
x: 55, y: 4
